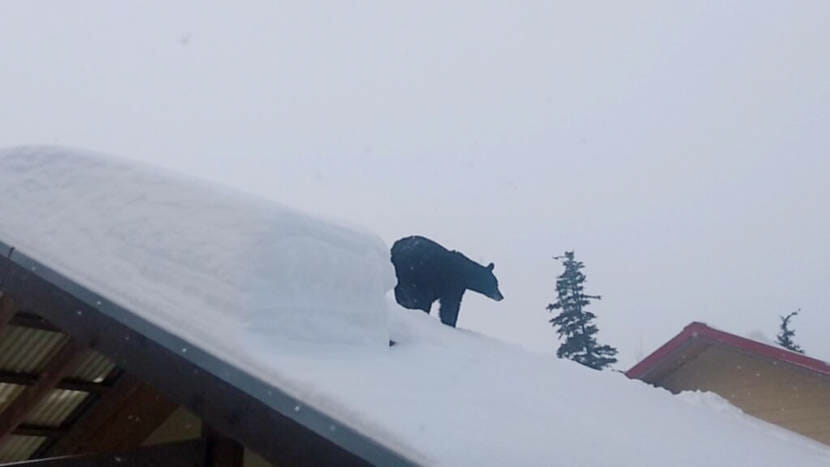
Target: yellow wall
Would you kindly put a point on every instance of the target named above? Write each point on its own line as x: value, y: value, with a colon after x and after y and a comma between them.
x: 777, y: 392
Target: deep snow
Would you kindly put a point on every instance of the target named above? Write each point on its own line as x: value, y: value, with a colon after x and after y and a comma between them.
x: 159, y: 243
x: 308, y: 305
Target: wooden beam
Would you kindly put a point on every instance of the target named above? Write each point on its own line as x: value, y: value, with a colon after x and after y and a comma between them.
x: 37, y: 430
x: 65, y: 361
x: 32, y: 321
x: 70, y: 384
x: 181, y: 454
x: 118, y: 420
x: 221, y: 451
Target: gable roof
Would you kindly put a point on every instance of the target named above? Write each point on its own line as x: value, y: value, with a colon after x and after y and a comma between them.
x: 673, y: 352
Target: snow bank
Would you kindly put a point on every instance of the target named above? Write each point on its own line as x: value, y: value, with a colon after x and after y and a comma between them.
x: 222, y: 260
x: 463, y: 399
x: 201, y: 261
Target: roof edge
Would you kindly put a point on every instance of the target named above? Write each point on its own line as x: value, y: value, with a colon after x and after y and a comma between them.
x: 699, y: 330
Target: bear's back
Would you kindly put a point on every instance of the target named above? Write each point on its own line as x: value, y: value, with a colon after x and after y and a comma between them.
x: 421, y: 260
x: 416, y: 249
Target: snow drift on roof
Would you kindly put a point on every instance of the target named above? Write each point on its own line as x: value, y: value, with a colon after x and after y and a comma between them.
x: 247, y: 279
x: 222, y: 260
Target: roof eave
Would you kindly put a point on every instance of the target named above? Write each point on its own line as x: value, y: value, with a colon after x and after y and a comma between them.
x: 700, y: 331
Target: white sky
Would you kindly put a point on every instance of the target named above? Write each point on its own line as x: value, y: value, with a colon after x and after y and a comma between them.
x: 681, y: 149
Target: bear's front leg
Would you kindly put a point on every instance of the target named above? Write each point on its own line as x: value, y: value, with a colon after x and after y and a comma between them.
x: 450, y: 305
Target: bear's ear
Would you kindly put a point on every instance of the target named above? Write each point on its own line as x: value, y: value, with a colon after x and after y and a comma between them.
x: 490, y: 266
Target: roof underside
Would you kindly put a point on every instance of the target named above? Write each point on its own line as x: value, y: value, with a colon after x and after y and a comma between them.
x: 27, y: 345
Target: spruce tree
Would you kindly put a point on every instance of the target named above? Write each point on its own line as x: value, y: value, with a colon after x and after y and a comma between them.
x: 574, y: 323
x: 785, y: 337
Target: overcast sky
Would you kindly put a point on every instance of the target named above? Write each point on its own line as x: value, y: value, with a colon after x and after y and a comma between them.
x: 681, y: 148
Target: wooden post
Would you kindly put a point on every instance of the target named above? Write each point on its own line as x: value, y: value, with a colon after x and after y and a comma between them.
x: 7, y: 310
x: 221, y: 451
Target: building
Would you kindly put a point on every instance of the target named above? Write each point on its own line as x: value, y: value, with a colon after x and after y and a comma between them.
x: 85, y: 378
x: 769, y: 382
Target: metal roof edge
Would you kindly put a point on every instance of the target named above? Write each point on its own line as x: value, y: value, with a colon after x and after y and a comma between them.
x: 696, y: 330
x: 639, y: 370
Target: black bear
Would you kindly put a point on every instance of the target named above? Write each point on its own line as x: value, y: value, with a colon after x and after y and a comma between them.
x: 427, y: 272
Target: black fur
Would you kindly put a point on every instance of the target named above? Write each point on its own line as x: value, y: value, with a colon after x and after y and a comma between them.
x: 427, y: 272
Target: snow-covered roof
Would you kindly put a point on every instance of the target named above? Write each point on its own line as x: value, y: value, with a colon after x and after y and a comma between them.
x: 302, y: 304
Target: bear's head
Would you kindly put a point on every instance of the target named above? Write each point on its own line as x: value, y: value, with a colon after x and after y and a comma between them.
x: 486, y: 283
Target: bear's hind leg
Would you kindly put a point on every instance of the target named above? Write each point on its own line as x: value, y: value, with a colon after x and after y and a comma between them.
x: 412, y: 298
x: 405, y: 297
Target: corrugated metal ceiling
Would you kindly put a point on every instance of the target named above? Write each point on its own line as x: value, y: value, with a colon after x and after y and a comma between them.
x: 19, y: 447
x: 55, y: 408
x: 23, y: 354
x: 94, y: 368
x: 24, y: 350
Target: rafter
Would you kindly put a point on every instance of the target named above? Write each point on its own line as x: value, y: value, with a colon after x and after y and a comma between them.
x: 38, y: 430
x: 32, y: 321
x: 69, y: 384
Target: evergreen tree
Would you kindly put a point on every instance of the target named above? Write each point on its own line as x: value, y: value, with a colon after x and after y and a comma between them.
x: 574, y: 323
x: 785, y: 337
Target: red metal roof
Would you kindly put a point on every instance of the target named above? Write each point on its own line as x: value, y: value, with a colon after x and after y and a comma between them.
x: 700, y: 331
